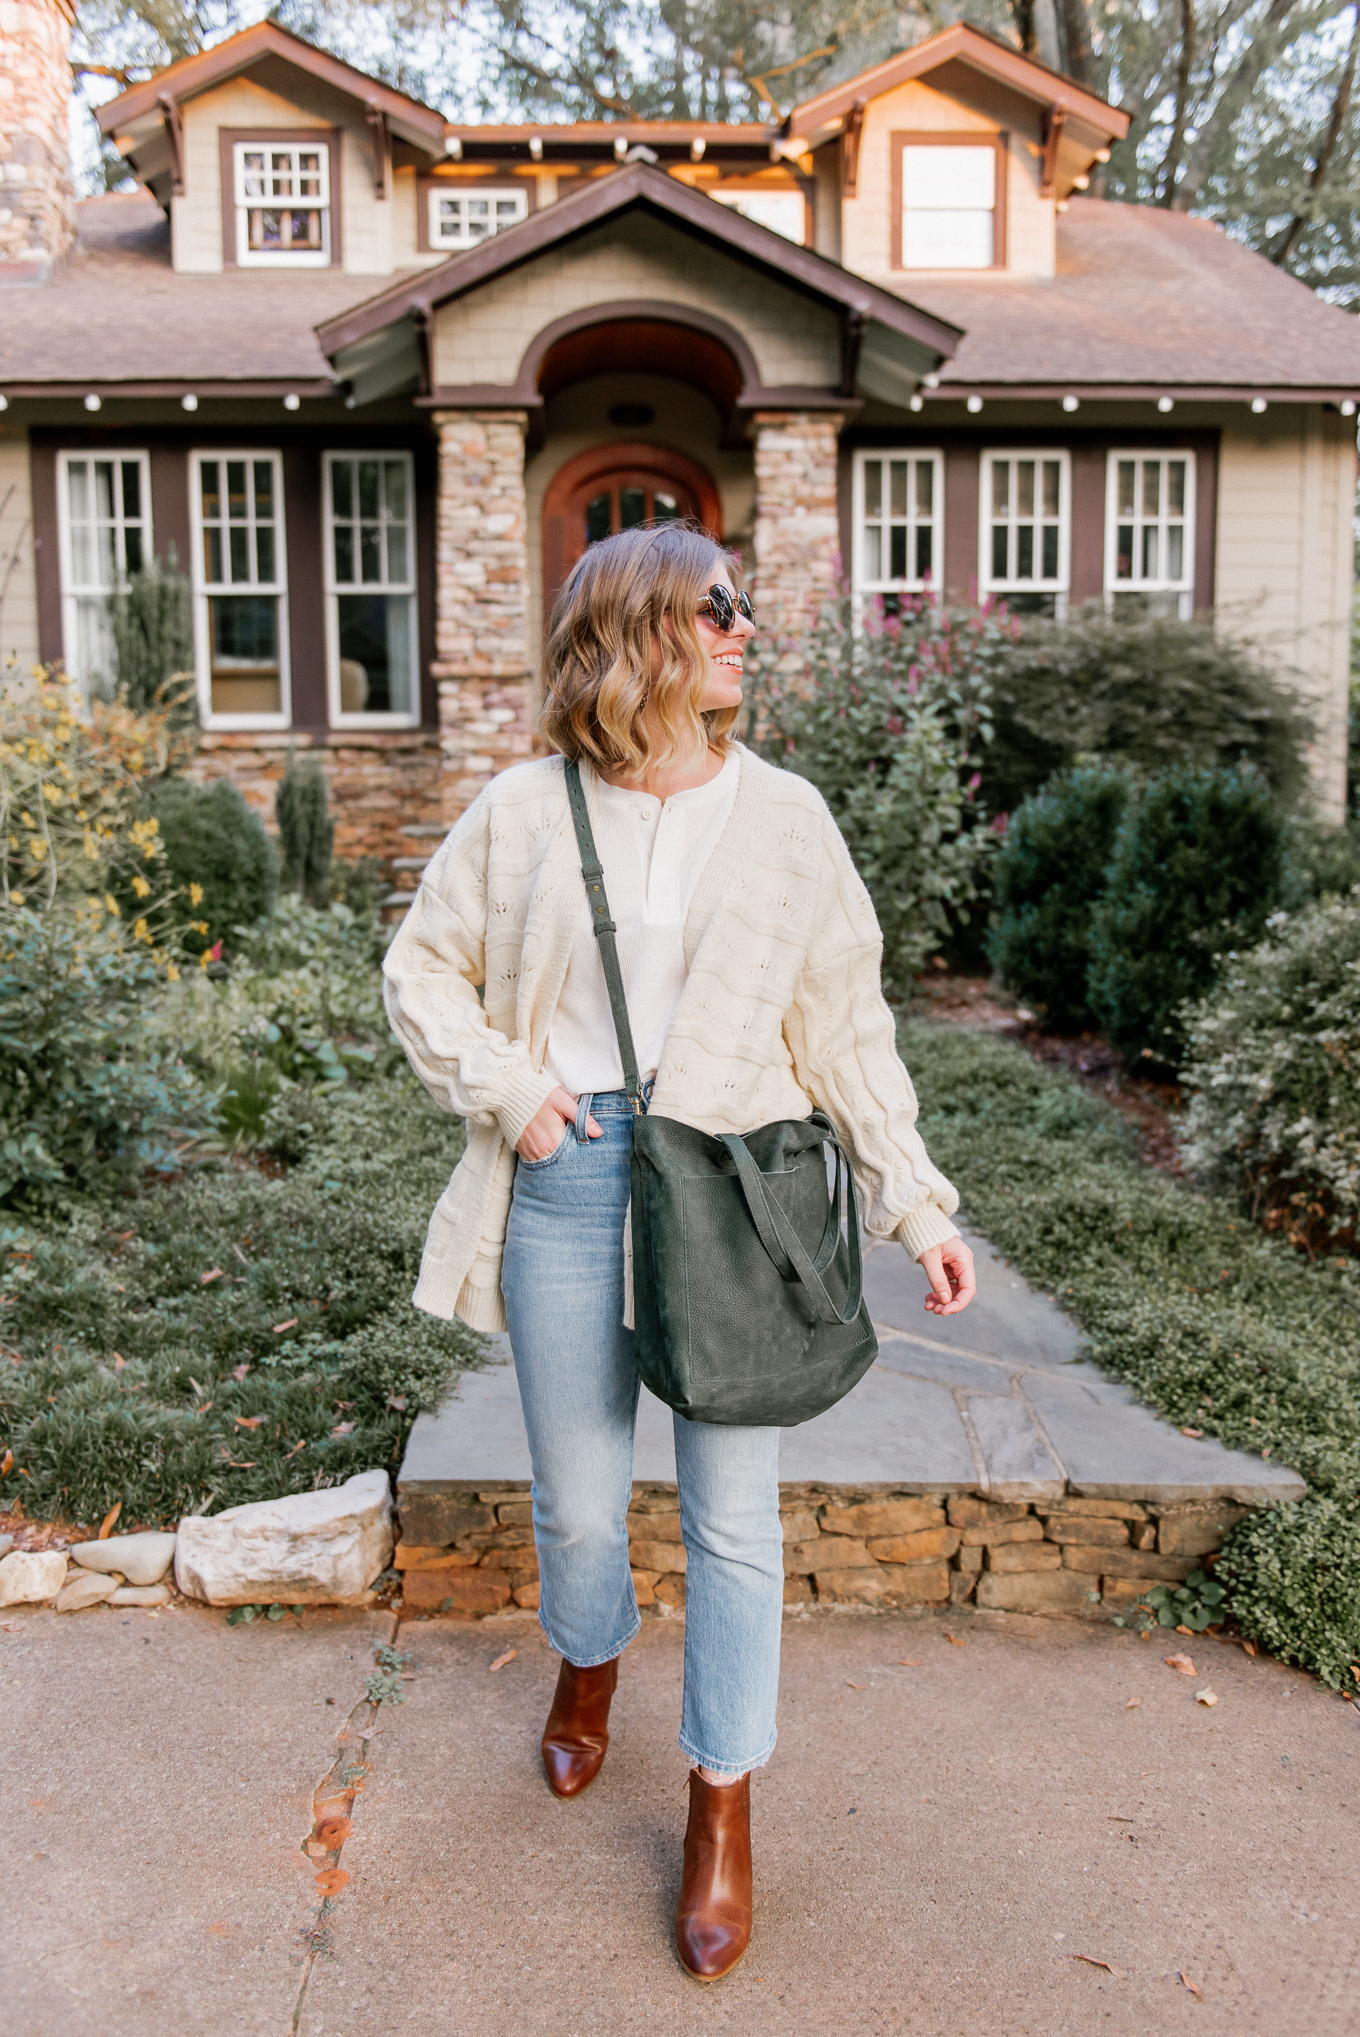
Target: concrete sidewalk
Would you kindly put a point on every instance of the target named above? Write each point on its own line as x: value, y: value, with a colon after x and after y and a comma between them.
x: 946, y: 1825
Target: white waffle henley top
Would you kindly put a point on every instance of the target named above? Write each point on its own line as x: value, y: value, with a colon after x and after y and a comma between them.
x: 654, y: 853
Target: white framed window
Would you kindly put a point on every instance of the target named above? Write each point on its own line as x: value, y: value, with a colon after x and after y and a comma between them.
x: 1150, y: 532
x: 949, y: 206
x: 898, y: 538
x: 283, y: 204
x: 783, y: 212
x: 371, y: 640
x: 1025, y: 538
x: 465, y: 218
x: 104, y: 536
x: 240, y: 588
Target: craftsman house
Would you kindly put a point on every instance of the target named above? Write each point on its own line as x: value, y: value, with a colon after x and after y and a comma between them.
x: 379, y: 378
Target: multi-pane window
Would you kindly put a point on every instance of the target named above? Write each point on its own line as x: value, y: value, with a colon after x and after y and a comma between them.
x: 1025, y: 534
x: 784, y: 212
x: 1150, y: 532
x: 105, y: 524
x: 899, y: 522
x: 464, y: 219
x: 371, y: 586
x: 240, y: 581
x: 949, y: 206
x: 283, y: 201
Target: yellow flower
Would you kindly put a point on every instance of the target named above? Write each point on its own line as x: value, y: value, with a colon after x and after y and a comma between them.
x: 172, y: 973
x: 37, y: 849
x: 195, y: 891
x: 204, y: 959
x: 142, y: 932
x: 112, y: 903
x: 140, y: 885
x: 200, y: 926
x: 16, y: 898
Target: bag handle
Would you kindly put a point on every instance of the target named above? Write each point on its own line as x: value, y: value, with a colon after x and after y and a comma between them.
x: 592, y: 870
x: 787, y: 1249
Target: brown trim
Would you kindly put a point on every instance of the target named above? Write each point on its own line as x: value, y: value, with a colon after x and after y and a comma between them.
x: 1086, y: 547
x: 303, y: 542
x: 962, y: 483
x: 850, y: 140
x: 174, y: 135
x: 904, y: 138
x: 42, y: 465
x: 985, y: 53
x: 198, y: 73
x: 282, y: 137
x: 428, y: 181
x: 380, y: 144
x: 1048, y: 169
x: 617, y: 461
x: 604, y: 197
x: 1140, y: 392
x: 1206, y: 521
x: 150, y: 392
x: 171, y: 523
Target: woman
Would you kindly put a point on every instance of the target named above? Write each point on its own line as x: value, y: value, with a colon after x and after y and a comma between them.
x: 750, y: 959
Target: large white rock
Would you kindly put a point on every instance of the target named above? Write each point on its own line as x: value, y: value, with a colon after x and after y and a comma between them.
x: 28, y: 1575
x: 310, y: 1549
x: 141, y: 1559
x: 85, y: 1588
x: 139, y: 1595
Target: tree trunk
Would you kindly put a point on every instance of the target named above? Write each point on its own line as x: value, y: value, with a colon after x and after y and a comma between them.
x: 1284, y: 247
x: 1183, y: 69
x: 1075, y: 22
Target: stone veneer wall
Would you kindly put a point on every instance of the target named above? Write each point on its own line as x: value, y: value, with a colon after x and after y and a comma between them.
x: 381, y: 782
x: 470, y: 1554
x: 482, y: 662
x: 37, y: 199
x: 797, y: 536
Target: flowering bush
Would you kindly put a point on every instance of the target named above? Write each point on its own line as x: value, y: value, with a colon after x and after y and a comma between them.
x: 1273, y: 1066
x: 888, y: 720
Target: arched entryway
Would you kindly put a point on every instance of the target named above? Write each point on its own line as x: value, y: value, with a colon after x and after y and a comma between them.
x: 616, y: 487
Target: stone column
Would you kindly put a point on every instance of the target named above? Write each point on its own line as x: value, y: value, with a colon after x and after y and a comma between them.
x: 37, y: 200
x: 797, y: 533
x: 482, y: 662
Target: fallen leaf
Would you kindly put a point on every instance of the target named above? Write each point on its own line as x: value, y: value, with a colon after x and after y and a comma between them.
x: 247, y: 1421
x: 1206, y: 1696
x: 343, y: 1429
x: 1180, y: 1662
x: 1250, y: 1647
x: 204, y: 1409
x: 331, y: 1882
x: 6, y: 1464
x: 106, y: 1526
x: 215, y: 1274
x: 508, y: 1656
x: 1117, y: 1818
x: 1117, y: 1971
x: 954, y: 1641
x: 240, y: 1255
x: 856, y: 1686
x: 1186, y: 1630
x: 1197, y: 1992
x: 1132, y: 1704
x: 294, y: 1451
x: 1192, y: 1432
x: 291, y: 1324
x: 903, y: 1663
x: 119, y: 1361
x: 238, y: 1372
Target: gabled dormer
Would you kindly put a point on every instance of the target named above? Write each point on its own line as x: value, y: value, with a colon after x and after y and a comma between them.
x: 271, y: 156
x: 955, y: 155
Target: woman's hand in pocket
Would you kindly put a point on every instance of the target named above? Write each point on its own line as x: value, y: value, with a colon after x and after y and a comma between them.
x: 545, y: 1132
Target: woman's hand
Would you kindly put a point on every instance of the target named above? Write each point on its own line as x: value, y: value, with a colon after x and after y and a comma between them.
x: 545, y: 1132
x: 949, y: 1269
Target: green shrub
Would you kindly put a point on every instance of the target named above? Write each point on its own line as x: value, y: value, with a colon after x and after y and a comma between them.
x: 1273, y: 1067
x: 219, y: 854
x: 306, y: 830
x: 84, y: 1107
x: 885, y: 720
x: 1212, y: 1324
x: 1152, y: 692
x: 1196, y: 869
x: 152, y: 623
x: 1046, y: 881
x: 361, y: 883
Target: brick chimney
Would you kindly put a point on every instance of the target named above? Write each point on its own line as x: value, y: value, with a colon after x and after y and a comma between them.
x: 37, y: 200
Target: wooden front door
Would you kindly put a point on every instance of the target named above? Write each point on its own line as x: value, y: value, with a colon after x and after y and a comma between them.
x: 617, y: 487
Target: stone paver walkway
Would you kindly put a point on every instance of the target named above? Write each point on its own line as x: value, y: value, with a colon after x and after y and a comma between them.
x: 993, y: 1401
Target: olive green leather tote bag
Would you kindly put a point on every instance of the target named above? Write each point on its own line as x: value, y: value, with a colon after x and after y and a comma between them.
x: 748, y: 1290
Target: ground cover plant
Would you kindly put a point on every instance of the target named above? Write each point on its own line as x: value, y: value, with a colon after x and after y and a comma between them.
x: 1214, y: 1324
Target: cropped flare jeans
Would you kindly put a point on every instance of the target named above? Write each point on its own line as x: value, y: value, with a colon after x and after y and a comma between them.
x: 578, y: 1383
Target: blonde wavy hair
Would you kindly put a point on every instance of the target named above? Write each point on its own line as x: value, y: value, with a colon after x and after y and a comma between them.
x: 622, y: 639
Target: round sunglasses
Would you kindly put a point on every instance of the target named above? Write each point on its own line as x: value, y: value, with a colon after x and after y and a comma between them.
x: 718, y: 605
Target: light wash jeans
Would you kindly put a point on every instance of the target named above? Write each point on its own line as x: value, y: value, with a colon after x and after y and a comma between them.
x: 578, y: 1384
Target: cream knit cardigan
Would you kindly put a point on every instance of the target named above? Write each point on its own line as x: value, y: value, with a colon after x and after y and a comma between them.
x: 782, y: 1011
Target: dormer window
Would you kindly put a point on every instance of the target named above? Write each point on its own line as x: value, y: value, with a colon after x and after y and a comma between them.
x: 282, y: 194
x: 464, y: 219
x: 949, y: 201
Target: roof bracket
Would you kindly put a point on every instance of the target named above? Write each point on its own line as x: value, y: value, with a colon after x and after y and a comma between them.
x: 174, y: 134
x: 423, y: 317
x: 850, y: 137
x: 852, y: 340
x: 377, y: 127
x: 1057, y: 121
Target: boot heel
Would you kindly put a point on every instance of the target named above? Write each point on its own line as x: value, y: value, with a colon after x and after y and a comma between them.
x: 713, y: 1920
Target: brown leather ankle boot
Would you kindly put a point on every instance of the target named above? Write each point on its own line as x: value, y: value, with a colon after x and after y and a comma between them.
x: 577, y: 1731
x: 713, y: 1921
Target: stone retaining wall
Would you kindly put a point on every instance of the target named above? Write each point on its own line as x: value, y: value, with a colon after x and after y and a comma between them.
x: 472, y: 1553
x: 381, y: 782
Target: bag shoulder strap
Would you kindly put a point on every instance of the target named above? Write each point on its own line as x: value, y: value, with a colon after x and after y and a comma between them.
x: 592, y: 870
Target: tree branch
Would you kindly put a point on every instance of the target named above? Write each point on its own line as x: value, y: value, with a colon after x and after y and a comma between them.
x: 1172, y: 162
x: 1284, y: 247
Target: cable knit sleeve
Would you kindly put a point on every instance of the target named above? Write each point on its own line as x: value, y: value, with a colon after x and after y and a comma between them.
x: 432, y: 974
x: 843, y: 1041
